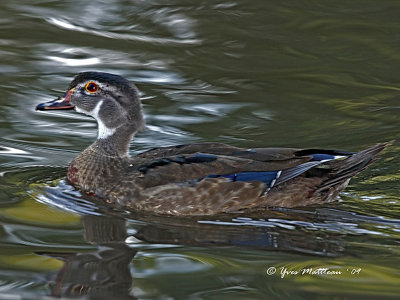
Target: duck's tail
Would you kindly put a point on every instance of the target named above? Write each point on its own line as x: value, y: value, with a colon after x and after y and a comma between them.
x: 340, y: 171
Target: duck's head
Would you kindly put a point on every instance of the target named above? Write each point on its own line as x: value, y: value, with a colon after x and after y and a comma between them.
x: 111, y: 99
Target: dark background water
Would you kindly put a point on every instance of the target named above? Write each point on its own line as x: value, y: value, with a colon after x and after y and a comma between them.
x: 248, y: 73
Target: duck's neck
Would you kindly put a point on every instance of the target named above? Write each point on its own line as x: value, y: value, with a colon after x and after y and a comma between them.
x: 116, y: 144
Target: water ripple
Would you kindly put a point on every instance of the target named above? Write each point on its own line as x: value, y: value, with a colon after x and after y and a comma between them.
x: 330, y: 220
x: 65, y: 24
x: 65, y: 197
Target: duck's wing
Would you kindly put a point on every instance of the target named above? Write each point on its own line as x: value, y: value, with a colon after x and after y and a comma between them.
x: 259, y: 154
x: 191, y: 163
x: 212, y: 148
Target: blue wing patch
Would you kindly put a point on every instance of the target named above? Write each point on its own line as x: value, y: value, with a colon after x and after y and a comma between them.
x: 319, y: 157
x: 268, y: 178
x: 326, y: 157
x: 198, y: 158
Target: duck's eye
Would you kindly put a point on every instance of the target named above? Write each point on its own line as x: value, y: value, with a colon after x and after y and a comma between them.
x: 92, y: 87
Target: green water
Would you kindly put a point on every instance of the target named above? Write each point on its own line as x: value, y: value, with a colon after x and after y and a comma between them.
x: 247, y: 73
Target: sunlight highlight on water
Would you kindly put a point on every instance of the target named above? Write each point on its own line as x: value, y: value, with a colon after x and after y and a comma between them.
x: 120, y: 36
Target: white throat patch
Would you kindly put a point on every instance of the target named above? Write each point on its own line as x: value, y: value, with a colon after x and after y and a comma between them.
x: 103, y: 131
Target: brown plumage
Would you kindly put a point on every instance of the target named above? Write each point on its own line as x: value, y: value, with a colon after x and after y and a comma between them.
x: 196, y: 179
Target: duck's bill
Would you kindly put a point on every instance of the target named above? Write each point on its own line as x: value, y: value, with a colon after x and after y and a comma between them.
x: 57, y: 104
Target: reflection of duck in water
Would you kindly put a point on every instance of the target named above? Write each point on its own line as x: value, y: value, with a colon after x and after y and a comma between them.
x: 100, y: 274
x: 197, y: 179
x: 106, y: 271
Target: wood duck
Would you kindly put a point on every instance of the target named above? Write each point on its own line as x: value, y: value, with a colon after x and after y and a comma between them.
x: 195, y: 179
